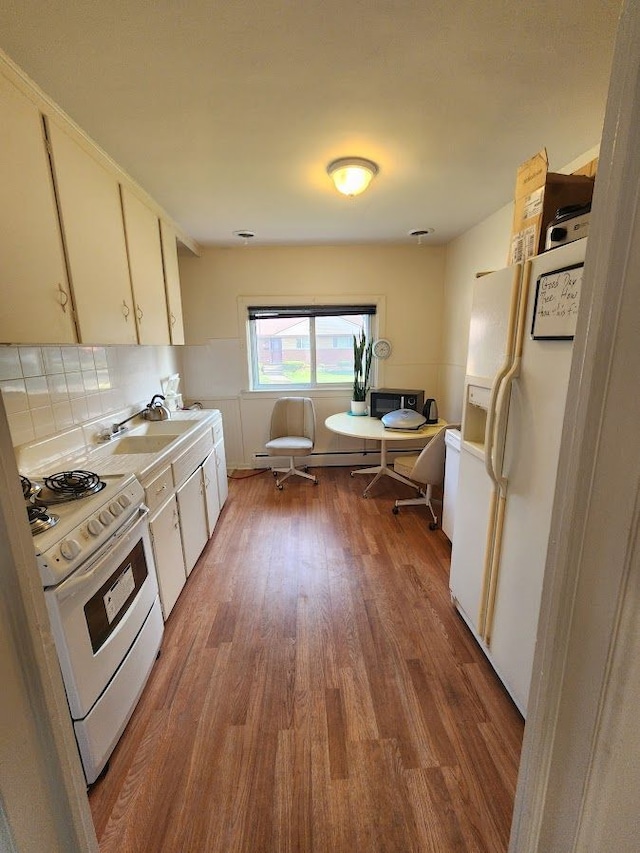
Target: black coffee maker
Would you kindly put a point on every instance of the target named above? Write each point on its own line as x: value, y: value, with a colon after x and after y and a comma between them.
x: 430, y: 411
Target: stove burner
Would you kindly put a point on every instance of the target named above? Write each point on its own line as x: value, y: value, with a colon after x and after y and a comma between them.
x: 40, y: 520
x: 29, y: 489
x: 74, y: 484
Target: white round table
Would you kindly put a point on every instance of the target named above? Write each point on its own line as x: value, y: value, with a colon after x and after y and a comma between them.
x: 372, y: 429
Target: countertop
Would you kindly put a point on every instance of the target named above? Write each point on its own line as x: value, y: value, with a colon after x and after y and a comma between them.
x: 104, y: 460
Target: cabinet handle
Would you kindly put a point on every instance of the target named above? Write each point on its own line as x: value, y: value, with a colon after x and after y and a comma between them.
x: 63, y: 297
x: 139, y: 312
x: 161, y: 489
x: 173, y: 318
x: 125, y: 310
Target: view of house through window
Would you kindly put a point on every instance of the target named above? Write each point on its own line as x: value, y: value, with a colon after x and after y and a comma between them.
x: 308, y: 346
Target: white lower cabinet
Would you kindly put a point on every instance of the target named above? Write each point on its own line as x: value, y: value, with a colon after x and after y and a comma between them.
x: 193, y: 518
x: 167, y: 551
x: 221, y: 470
x: 210, y: 481
x: 452, y: 467
x: 184, y: 500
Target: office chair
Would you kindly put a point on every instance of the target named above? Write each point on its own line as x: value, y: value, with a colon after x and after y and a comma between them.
x: 425, y: 469
x: 293, y: 433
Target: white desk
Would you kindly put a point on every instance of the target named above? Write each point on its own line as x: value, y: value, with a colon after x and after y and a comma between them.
x: 372, y: 429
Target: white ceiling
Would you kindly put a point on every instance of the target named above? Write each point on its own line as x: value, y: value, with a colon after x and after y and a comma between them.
x: 227, y: 113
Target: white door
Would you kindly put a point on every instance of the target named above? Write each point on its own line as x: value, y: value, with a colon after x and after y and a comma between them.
x: 172, y: 282
x: 451, y: 472
x: 91, y: 214
x: 469, y: 544
x: 167, y: 550
x: 35, y: 303
x: 532, y: 447
x: 193, y: 519
x: 212, y: 501
x: 221, y: 472
x: 495, y: 302
x: 147, y: 276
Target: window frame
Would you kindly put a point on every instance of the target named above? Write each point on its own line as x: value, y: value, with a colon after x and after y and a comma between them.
x: 375, y: 303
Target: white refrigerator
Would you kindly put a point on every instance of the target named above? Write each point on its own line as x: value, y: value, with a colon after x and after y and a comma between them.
x: 520, y: 348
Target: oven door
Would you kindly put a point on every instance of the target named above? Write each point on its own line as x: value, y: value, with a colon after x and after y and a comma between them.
x: 97, y: 612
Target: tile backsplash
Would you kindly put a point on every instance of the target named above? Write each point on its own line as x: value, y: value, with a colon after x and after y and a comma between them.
x: 49, y: 389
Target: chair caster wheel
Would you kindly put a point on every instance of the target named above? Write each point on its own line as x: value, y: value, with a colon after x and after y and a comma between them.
x: 433, y: 525
x: 395, y: 510
x: 280, y: 486
x: 274, y: 473
x: 315, y: 481
x: 351, y: 473
x: 365, y: 495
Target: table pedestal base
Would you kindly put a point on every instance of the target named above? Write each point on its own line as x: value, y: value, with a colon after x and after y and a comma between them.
x: 382, y: 470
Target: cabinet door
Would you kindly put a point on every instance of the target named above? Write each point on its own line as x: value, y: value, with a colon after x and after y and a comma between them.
x: 221, y: 472
x: 172, y: 282
x: 212, y: 501
x: 452, y: 467
x: 193, y: 520
x: 35, y: 305
x: 142, y: 232
x: 93, y: 231
x: 167, y: 551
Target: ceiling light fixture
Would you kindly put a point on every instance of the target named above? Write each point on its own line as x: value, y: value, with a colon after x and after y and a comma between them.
x: 352, y: 175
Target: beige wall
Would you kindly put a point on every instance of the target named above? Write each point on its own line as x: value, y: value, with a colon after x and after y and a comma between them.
x: 406, y: 280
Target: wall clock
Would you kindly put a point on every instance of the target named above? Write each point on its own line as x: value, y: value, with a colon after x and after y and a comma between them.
x: 382, y: 348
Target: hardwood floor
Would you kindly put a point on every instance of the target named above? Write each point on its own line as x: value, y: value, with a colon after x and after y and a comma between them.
x: 316, y: 692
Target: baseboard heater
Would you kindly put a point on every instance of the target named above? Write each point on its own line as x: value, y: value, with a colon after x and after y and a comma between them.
x: 333, y: 457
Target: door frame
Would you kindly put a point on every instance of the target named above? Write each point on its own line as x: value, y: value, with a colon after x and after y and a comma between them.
x: 593, y: 558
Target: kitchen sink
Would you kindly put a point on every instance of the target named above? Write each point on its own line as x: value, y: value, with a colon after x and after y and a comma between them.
x: 142, y: 444
x: 162, y: 428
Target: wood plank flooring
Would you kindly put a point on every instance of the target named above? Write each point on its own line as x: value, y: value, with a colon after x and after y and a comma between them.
x: 316, y: 692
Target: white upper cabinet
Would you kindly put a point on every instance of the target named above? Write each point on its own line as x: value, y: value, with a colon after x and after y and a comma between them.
x: 83, y: 259
x: 172, y: 282
x: 145, y: 263
x: 93, y: 232
x: 35, y: 305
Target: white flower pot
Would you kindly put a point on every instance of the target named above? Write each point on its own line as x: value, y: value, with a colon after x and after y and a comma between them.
x: 358, y: 407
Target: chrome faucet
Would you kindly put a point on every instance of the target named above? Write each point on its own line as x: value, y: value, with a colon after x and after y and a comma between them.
x: 115, y: 430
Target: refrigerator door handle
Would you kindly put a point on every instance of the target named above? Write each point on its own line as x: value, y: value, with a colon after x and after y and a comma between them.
x: 500, y: 427
x: 514, y: 321
x: 500, y: 502
x: 498, y: 418
x: 490, y: 431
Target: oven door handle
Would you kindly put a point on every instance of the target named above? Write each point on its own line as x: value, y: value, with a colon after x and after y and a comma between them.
x: 79, y: 578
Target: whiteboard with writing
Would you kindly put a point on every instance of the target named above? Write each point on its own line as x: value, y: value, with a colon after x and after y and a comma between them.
x: 555, y: 311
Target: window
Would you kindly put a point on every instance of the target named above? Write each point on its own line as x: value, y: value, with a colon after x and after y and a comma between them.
x: 305, y: 346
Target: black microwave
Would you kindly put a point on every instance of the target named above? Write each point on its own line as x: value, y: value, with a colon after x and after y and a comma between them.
x: 385, y: 400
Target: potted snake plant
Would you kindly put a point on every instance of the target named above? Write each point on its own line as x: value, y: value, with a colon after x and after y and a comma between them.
x: 362, y: 356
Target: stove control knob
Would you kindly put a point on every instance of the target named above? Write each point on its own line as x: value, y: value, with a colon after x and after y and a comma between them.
x: 124, y: 501
x: 115, y: 508
x: 69, y: 549
x: 105, y: 517
x: 94, y: 527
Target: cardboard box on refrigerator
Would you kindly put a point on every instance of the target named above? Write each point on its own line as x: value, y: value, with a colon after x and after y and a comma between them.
x: 538, y: 196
